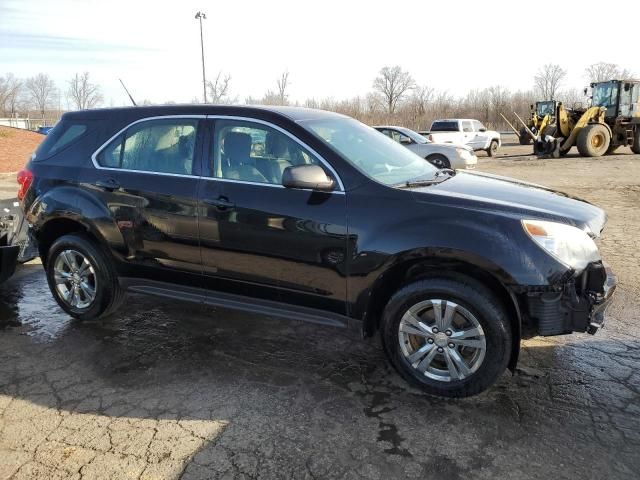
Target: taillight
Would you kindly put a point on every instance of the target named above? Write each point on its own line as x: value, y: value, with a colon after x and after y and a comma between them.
x: 25, y: 178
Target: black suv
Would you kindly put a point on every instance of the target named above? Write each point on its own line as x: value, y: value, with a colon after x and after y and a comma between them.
x: 314, y: 216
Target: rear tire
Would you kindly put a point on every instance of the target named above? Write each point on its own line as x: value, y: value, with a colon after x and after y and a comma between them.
x: 438, y: 160
x: 524, y: 138
x: 412, y: 355
x: 593, y: 140
x: 82, y: 278
x: 635, y: 148
x: 493, y: 148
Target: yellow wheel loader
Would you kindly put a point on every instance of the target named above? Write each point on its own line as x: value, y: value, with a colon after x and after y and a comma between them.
x: 542, y: 114
x: 612, y: 121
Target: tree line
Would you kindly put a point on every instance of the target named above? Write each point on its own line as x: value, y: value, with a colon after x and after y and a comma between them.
x: 394, y: 98
x: 22, y: 96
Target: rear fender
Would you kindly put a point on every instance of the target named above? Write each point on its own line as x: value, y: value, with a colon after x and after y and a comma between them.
x: 79, y: 206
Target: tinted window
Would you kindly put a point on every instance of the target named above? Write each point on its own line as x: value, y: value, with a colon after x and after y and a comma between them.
x: 444, y: 127
x: 162, y: 146
x: 61, y: 136
x: 252, y: 152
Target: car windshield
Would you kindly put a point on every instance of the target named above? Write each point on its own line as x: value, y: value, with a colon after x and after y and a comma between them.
x: 445, y: 126
x: 604, y: 94
x: 376, y: 155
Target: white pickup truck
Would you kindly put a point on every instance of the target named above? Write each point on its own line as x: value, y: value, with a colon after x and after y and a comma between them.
x: 466, y: 131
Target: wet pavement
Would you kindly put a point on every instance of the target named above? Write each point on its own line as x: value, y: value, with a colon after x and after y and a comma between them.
x: 170, y: 390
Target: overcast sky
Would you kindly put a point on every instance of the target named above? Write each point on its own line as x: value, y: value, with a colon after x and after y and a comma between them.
x: 330, y: 47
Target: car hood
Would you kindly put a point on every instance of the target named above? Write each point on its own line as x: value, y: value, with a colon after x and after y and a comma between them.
x: 515, y: 197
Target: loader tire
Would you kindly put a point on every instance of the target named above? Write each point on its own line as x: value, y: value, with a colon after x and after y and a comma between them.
x: 635, y: 148
x: 524, y: 139
x: 593, y: 140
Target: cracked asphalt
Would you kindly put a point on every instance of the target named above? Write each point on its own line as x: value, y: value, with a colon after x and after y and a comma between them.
x: 170, y: 390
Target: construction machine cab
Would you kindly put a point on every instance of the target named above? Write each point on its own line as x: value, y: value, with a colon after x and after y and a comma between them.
x: 619, y: 97
x: 547, y: 107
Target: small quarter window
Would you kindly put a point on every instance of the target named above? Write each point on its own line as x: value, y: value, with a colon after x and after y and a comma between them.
x: 62, y: 135
x: 161, y: 146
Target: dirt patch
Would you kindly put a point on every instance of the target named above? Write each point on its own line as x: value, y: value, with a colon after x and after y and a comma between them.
x: 16, y: 146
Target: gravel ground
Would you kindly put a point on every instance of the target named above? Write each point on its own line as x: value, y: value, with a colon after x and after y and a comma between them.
x: 169, y: 390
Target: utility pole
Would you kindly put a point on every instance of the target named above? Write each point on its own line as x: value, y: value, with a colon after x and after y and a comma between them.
x: 201, y: 16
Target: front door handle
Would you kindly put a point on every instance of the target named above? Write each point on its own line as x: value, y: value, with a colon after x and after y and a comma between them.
x: 110, y: 184
x: 221, y: 203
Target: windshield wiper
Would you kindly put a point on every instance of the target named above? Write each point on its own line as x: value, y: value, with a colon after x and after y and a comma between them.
x: 439, y: 177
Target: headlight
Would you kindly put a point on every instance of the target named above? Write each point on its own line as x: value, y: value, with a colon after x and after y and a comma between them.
x: 572, y: 246
x: 462, y: 152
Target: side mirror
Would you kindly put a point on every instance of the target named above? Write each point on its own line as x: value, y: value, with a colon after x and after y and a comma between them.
x: 483, y: 129
x: 307, y: 176
x: 405, y: 141
x: 585, y: 91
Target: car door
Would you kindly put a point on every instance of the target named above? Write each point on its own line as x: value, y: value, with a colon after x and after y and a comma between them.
x: 147, y: 176
x: 261, y: 239
x: 468, y: 134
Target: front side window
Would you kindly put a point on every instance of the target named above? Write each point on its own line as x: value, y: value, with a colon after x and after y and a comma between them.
x: 160, y: 146
x: 467, y: 127
x: 377, y: 156
x: 252, y: 152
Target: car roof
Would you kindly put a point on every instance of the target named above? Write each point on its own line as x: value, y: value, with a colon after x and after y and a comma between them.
x: 292, y: 113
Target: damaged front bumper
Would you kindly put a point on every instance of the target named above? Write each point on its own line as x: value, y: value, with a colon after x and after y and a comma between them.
x: 578, y: 305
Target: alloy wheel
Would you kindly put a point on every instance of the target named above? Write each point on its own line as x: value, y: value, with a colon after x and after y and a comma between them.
x: 442, y: 340
x: 75, y: 279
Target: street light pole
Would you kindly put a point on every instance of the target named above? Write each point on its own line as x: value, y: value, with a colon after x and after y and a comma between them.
x: 201, y: 16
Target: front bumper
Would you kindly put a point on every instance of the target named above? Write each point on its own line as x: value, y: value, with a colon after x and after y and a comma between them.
x: 579, y: 305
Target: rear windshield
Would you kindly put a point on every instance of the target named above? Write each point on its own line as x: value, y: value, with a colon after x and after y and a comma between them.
x: 445, y: 127
x: 62, y: 135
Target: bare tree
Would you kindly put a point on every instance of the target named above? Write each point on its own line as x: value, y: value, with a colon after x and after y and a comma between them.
x: 82, y: 93
x: 41, y: 89
x: 10, y: 91
x: 393, y: 84
x: 420, y: 99
x: 283, y: 84
x: 601, y: 71
x: 219, y: 88
x: 549, y: 79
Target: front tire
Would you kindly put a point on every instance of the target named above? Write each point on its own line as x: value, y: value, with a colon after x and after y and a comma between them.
x: 438, y: 161
x: 524, y: 137
x: 82, y: 278
x: 493, y: 148
x: 448, y: 336
x: 593, y: 140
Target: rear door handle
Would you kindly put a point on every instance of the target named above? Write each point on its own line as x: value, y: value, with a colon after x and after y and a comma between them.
x: 221, y: 203
x: 108, y: 184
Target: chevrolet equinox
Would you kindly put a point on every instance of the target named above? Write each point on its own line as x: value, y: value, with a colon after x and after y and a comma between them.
x: 313, y: 216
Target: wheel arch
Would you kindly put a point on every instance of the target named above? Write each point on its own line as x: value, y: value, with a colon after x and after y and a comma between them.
x: 410, y: 270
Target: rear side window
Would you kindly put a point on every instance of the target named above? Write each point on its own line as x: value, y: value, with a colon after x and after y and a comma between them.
x: 444, y: 127
x: 160, y: 146
x: 63, y: 134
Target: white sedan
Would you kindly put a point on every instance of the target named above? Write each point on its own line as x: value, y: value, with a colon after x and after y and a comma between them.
x: 441, y: 155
